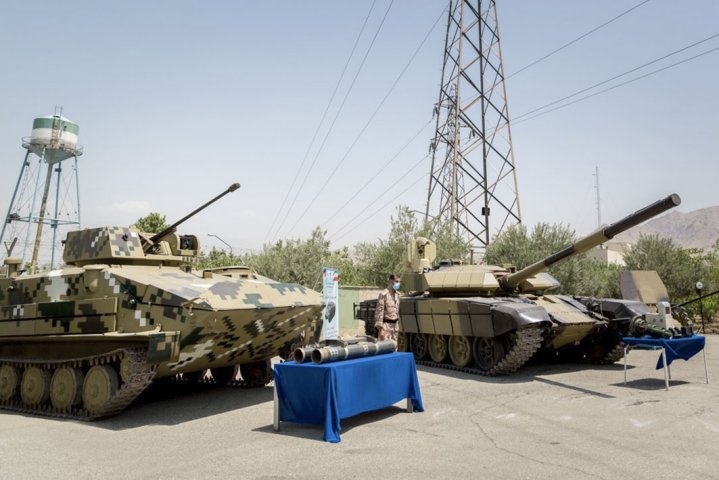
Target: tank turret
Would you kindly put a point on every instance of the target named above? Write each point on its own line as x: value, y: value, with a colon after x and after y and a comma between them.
x: 127, y: 245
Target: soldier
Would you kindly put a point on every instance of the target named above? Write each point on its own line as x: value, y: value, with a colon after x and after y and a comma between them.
x: 387, y: 311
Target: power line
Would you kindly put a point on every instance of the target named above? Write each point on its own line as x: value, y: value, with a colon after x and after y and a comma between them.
x: 518, y: 119
x: 334, y: 120
x: 623, y: 83
x: 369, y: 121
x: 371, y: 179
x: 577, y: 39
x: 389, y: 203
x: 319, y: 125
x: 379, y: 197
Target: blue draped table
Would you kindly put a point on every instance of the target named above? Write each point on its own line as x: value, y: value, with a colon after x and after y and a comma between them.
x: 672, y: 348
x: 326, y: 393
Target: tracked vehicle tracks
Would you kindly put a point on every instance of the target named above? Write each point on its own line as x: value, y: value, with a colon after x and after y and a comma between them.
x: 126, y: 370
x: 528, y: 342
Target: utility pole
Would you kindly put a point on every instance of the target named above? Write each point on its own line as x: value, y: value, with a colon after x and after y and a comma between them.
x: 473, y: 169
x: 599, y: 205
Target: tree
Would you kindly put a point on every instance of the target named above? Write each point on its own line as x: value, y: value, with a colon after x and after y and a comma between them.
x: 679, y: 268
x: 376, y: 260
x: 153, y: 222
x: 291, y: 261
x: 578, y: 275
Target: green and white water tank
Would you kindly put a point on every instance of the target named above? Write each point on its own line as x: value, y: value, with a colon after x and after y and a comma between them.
x: 54, y: 137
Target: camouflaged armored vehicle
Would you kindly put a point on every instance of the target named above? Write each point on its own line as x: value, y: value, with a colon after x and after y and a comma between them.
x: 86, y: 340
x: 495, y: 319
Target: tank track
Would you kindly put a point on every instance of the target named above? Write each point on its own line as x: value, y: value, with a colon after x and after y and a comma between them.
x: 141, y: 376
x: 614, y: 354
x: 528, y: 342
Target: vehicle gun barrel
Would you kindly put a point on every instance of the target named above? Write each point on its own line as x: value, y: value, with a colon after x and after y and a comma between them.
x: 172, y: 228
x: 592, y: 240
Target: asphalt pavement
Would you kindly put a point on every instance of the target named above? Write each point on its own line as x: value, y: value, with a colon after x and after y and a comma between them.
x: 558, y: 421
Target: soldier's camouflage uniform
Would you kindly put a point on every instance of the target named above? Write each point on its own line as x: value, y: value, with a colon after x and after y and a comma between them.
x: 387, y: 314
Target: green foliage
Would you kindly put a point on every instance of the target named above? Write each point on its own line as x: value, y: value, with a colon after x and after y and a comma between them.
x: 578, y: 275
x: 376, y: 260
x: 217, y: 258
x: 679, y: 268
x: 153, y: 222
x: 290, y: 261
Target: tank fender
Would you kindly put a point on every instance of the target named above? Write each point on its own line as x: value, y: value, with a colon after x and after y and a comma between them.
x: 614, y: 308
x: 511, y: 316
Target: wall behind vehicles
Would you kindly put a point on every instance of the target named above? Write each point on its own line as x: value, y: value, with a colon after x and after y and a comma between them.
x: 348, y: 296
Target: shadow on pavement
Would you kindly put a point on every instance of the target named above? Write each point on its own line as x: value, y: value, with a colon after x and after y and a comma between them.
x: 316, y: 432
x: 173, y: 404
x: 572, y: 387
x: 528, y: 373
x: 649, y: 384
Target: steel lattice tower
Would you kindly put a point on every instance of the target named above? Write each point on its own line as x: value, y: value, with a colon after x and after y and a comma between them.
x: 473, y: 172
x: 54, y: 202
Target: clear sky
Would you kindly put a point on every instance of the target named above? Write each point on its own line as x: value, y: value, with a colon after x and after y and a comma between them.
x: 176, y: 100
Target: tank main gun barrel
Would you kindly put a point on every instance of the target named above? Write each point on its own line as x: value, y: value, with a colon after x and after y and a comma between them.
x: 592, y: 240
x: 172, y: 228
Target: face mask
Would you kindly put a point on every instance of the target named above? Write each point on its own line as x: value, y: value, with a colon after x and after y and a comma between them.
x: 395, y: 285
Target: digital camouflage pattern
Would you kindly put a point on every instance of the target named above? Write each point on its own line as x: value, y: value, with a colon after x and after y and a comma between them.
x: 129, y: 304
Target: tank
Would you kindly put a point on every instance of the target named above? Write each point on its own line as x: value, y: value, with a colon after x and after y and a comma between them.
x: 127, y: 309
x: 492, y: 319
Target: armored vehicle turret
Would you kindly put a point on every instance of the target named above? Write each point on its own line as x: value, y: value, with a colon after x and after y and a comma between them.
x: 86, y: 340
x: 495, y: 318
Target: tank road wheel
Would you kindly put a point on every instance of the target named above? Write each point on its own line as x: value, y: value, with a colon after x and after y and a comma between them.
x: 418, y: 343
x: 437, y: 348
x: 66, y: 388
x: 488, y: 352
x: 35, y: 386
x: 8, y: 382
x: 99, y: 387
x: 126, y: 368
x: 460, y: 350
x: 401, y: 342
x: 257, y: 374
x: 223, y: 375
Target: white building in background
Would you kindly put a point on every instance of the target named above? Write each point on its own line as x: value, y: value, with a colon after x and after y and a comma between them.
x: 610, y: 252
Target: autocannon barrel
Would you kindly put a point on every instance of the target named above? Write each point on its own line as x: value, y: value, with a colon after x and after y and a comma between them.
x: 593, y: 239
x: 173, y: 227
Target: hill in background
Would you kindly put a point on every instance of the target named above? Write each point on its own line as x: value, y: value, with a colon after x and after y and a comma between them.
x: 697, y: 229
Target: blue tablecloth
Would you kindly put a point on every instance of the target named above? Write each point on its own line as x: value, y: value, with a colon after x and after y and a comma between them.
x: 326, y: 393
x: 684, y: 348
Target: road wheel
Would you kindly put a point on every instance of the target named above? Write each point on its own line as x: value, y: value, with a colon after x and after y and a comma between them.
x: 488, y: 352
x: 437, y: 348
x: 99, y: 387
x: 66, y: 388
x: 460, y: 350
x: 35, y: 386
x: 257, y: 374
x: 419, y: 345
x: 8, y: 382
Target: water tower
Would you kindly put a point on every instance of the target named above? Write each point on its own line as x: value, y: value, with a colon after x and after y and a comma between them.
x: 52, y: 149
